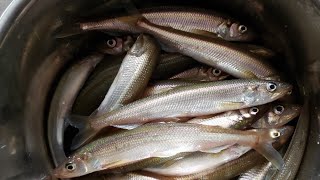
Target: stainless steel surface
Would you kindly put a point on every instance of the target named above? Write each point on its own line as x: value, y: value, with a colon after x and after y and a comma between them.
x: 25, y: 40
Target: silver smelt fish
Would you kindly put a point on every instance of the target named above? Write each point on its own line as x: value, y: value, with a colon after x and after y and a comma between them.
x: 259, y: 172
x: 129, y: 176
x: 116, y: 45
x: 277, y: 116
x: 133, y: 76
x: 189, y: 101
x: 211, y: 51
x: 197, y: 21
x: 166, y: 85
x: 163, y: 140
x: 236, y: 119
x: 62, y: 102
x: 202, y: 73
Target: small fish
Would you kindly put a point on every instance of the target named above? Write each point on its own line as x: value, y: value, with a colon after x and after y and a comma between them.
x: 197, y: 21
x: 237, y: 166
x: 202, y: 73
x: 163, y: 140
x: 171, y: 64
x: 211, y: 51
x: 62, y: 102
x: 278, y: 116
x: 190, y: 101
x: 166, y: 85
x: 133, y: 76
x: 116, y: 45
x: 236, y: 119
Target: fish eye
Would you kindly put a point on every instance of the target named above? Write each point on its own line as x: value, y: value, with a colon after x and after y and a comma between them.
x: 271, y: 87
x: 111, y: 43
x: 216, y: 72
x: 275, y: 134
x: 278, y: 109
x: 242, y: 28
x: 70, y: 166
x: 254, y: 110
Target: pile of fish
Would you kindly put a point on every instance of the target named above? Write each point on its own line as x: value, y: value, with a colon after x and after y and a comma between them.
x: 180, y: 95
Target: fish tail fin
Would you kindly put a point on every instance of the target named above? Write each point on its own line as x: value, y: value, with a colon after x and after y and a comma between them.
x: 86, y: 132
x: 264, y: 147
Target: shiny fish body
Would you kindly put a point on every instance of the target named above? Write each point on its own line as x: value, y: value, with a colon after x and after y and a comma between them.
x: 171, y: 64
x: 129, y: 176
x: 198, y: 162
x: 237, y: 166
x: 211, y: 51
x: 133, y: 75
x: 197, y: 100
x: 203, y: 73
x: 259, y: 172
x: 166, y: 85
x: 62, y: 102
x: 277, y: 116
x: 236, y: 119
x: 186, y: 19
x: 161, y: 140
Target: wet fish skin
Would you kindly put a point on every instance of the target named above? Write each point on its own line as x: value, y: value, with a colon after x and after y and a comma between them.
x: 130, y: 176
x: 239, y: 165
x: 171, y: 64
x: 162, y: 140
x: 236, y: 119
x: 278, y: 115
x: 259, y: 172
x: 116, y: 45
x: 203, y: 73
x: 166, y: 85
x: 259, y: 50
x: 211, y: 51
x: 62, y: 101
x: 209, y: 98
x: 133, y: 76
x: 192, y: 20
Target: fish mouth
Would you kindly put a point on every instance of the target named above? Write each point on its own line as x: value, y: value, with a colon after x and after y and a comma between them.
x: 284, y: 89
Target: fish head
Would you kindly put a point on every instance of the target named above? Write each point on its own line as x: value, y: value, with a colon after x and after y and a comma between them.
x: 284, y: 133
x: 215, y: 74
x: 265, y: 92
x: 139, y: 47
x: 75, y: 166
x: 280, y: 115
x: 116, y: 45
x: 234, y: 31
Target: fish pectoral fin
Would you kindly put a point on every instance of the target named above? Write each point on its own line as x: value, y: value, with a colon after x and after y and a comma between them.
x: 127, y: 126
x: 204, y: 33
x: 270, y: 154
x: 114, y: 164
x: 216, y: 149
x: 231, y: 104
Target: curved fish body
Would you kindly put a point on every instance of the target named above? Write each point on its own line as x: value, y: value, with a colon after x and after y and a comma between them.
x: 203, y: 73
x: 259, y: 172
x: 163, y: 140
x: 192, y: 20
x: 129, y: 176
x: 133, y: 75
x: 277, y: 116
x: 166, y: 85
x: 189, y: 101
x: 236, y: 119
x: 62, y: 102
x: 211, y: 51
x: 171, y: 64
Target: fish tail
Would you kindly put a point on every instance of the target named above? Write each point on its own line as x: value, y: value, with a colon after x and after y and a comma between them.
x: 86, y: 132
x: 264, y: 147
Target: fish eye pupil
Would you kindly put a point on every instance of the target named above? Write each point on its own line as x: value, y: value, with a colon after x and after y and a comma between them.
x: 70, y: 166
x: 271, y: 87
x: 242, y: 28
x: 216, y: 72
x: 279, y: 109
x: 111, y: 43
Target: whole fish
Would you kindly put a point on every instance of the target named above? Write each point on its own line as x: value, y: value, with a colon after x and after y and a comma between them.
x: 171, y: 64
x: 189, y: 101
x: 236, y: 119
x: 197, y: 21
x: 116, y: 45
x: 277, y: 116
x: 237, y: 166
x: 133, y: 75
x: 211, y: 51
x: 94, y: 90
x: 63, y: 100
x: 203, y: 73
x: 163, y: 140
x: 166, y: 85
